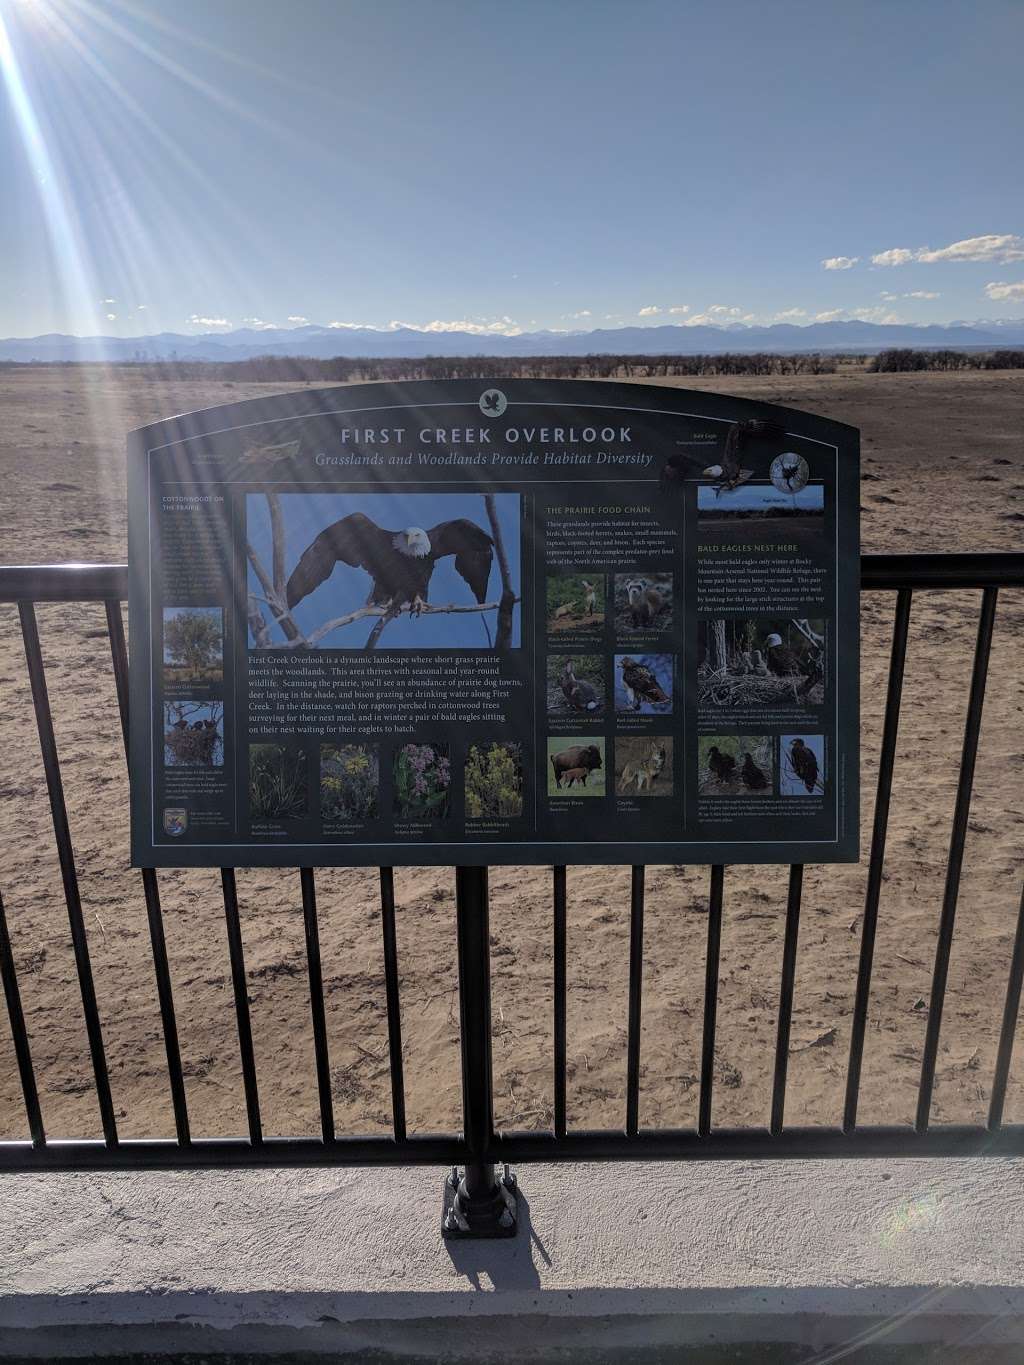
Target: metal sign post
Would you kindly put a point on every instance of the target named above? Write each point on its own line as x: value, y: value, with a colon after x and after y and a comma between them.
x: 480, y: 1204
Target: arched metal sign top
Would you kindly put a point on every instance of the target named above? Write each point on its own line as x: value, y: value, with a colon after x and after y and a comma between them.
x: 475, y: 623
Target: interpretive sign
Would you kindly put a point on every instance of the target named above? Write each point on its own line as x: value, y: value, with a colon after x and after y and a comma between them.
x: 472, y: 623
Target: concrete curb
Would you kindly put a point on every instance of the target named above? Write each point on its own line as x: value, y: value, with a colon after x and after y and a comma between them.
x: 625, y: 1258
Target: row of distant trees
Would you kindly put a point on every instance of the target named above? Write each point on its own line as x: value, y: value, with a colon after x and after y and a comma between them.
x: 273, y: 369
x: 890, y: 362
x: 344, y: 369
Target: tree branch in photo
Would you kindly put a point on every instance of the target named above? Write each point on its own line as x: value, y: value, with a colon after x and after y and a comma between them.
x: 258, y: 628
x: 277, y: 540
x: 385, y: 614
x: 508, y: 598
x: 282, y: 615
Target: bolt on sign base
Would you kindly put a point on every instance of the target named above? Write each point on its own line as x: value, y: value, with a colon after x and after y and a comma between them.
x: 495, y: 1215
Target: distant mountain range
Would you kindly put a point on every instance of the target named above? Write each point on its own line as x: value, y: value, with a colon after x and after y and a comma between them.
x: 325, y: 342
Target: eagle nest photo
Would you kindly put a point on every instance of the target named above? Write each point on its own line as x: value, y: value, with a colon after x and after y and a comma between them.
x: 334, y: 570
x: 761, y: 663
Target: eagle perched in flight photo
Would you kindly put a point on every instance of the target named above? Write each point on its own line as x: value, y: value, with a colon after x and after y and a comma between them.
x: 400, y: 563
x: 729, y: 473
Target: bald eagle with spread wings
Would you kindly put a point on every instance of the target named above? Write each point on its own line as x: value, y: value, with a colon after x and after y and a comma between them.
x: 729, y: 473
x: 400, y: 563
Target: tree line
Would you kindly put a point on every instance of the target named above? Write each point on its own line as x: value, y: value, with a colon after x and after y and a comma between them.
x: 907, y: 360
x: 274, y: 369
x: 345, y: 369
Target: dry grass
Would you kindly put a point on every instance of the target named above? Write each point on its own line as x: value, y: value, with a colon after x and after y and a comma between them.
x: 925, y: 439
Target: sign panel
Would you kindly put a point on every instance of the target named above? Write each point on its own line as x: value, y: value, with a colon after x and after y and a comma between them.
x: 526, y: 622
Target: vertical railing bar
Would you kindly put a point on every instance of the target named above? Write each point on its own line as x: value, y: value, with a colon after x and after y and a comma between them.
x: 19, y: 1033
x: 165, y: 995
x: 796, y: 881
x: 390, y: 937
x: 958, y: 836
x: 473, y: 931
x: 886, y: 765
x: 316, y: 1003
x: 558, y: 954
x: 636, y: 972
x: 711, y: 965
x: 119, y: 660
x: 151, y: 891
x: 1011, y: 1010
x: 69, y: 875
x: 241, y: 991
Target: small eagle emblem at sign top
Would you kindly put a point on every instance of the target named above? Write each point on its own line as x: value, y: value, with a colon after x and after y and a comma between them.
x: 493, y: 403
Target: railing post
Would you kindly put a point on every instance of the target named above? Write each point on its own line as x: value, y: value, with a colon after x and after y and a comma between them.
x: 478, y: 1204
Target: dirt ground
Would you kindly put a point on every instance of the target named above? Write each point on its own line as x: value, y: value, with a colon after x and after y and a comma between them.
x: 943, y: 470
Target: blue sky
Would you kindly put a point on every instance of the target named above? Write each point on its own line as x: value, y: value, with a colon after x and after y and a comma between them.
x: 307, y: 514
x: 564, y: 164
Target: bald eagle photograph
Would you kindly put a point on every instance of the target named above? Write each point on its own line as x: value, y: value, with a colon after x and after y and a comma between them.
x: 802, y: 768
x: 761, y: 662
x: 414, y: 570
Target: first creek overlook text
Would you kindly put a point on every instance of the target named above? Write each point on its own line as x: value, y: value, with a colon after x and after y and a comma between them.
x: 439, y: 441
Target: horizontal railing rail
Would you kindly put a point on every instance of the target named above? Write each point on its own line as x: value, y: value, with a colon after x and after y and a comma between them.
x: 880, y: 572
x: 480, y: 1145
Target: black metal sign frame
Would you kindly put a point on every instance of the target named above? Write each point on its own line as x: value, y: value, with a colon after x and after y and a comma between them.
x: 530, y: 622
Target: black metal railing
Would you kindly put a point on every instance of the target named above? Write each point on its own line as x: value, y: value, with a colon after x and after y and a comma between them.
x: 484, y: 1204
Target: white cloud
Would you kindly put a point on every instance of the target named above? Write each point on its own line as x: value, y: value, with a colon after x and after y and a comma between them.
x: 141, y: 307
x: 257, y: 324
x: 503, y: 326
x: 994, y: 248
x: 197, y: 321
x: 651, y: 311
x: 922, y: 294
x: 356, y: 326
x: 111, y: 317
x: 840, y: 262
x: 719, y: 314
x: 875, y: 313
x: 680, y: 308
x: 110, y: 300
x: 583, y: 313
x: 297, y: 319
x: 790, y: 315
x: 897, y: 255
x: 1009, y: 292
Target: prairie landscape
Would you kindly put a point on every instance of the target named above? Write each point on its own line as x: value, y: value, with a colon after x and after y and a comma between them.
x: 943, y: 469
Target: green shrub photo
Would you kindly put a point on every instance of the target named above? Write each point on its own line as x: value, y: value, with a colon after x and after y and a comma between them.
x: 494, y: 780
x: 193, y: 644
x: 277, y: 782
x: 349, y: 782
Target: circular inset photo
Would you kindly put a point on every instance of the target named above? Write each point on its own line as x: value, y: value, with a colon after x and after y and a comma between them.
x: 790, y: 472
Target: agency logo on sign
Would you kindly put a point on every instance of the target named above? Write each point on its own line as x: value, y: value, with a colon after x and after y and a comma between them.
x: 175, y: 820
x: 493, y: 403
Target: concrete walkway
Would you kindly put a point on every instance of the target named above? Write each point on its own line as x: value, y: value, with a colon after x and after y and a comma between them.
x: 611, y: 1262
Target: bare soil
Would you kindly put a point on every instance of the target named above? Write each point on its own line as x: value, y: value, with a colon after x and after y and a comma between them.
x: 943, y: 470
